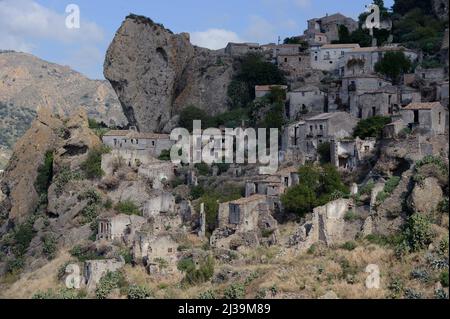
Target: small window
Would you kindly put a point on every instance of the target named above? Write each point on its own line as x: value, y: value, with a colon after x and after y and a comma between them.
x: 439, y: 120
x: 153, y: 143
x: 285, y: 59
x: 366, y: 148
x: 311, y: 128
x: 321, y: 127
x: 170, y: 250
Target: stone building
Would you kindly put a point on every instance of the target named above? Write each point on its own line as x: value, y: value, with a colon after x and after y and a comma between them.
x: 383, y: 101
x: 119, y: 228
x: 430, y: 76
x: 157, y: 253
x: 329, y: 25
x: 430, y: 117
x: 328, y: 56
x: 94, y: 270
x: 362, y: 60
x: 314, y: 38
x: 306, y: 99
x: 164, y: 203
x: 393, y: 129
x: 348, y: 153
x: 242, y: 49
x: 159, y: 173
x: 145, y: 143
x: 408, y: 95
x: 273, y: 185
x: 294, y: 65
x: 353, y: 86
x: 442, y: 93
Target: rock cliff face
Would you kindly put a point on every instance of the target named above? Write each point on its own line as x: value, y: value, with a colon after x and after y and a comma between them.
x: 157, y: 73
x: 28, y: 84
x: 69, y: 140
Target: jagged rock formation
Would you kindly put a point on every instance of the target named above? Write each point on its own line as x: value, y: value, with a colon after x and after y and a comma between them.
x: 70, y: 141
x: 28, y: 84
x: 157, y: 73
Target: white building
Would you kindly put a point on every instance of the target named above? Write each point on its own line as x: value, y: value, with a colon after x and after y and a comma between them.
x: 328, y: 56
x: 303, y: 100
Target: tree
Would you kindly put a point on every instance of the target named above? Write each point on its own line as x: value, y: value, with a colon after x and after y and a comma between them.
x: 317, y: 187
x: 324, y: 152
x: 402, y: 7
x: 239, y: 94
x: 393, y: 65
x: 191, y: 113
x: 255, y: 71
x: 371, y: 127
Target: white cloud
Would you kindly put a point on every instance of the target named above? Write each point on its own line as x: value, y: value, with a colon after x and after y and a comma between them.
x: 260, y: 30
x: 214, y: 39
x: 25, y: 25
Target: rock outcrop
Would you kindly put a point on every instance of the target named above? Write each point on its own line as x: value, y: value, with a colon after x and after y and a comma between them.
x: 156, y: 73
x: 28, y: 84
x: 426, y: 196
x: 69, y: 141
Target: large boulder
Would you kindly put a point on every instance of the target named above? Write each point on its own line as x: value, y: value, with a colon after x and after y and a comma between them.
x: 156, y: 73
x: 426, y: 196
x: 20, y: 175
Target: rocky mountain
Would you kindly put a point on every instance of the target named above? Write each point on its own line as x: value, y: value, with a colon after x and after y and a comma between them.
x: 156, y: 73
x: 28, y: 83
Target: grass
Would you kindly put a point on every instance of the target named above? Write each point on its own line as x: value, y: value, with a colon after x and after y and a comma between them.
x: 128, y: 207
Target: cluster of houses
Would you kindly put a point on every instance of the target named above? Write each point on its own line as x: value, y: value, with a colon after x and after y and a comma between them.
x: 316, y: 115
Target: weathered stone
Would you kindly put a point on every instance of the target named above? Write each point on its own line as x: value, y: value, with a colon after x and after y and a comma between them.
x: 367, y: 228
x: 96, y: 269
x: 426, y: 196
x: 329, y: 295
x: 157, y: 73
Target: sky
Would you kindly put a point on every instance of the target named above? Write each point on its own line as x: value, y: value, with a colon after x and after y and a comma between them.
x: 38, y: 26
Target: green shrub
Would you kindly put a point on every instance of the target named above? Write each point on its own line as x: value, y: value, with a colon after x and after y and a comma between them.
x: 371, y: 127
x: 393, y: 64
x: 351, y: 216
x: 126, y: 255
x: 197, y: 192
x: 186, y: 265
x: 388, y: 189
x: 15, y: 265
x: 367, y: 189
x: 23, y: 234
x: 92, y: 166
x: 350, y: 245
x: 49, y: 248
x: 324, y: 151
x: 128, y: 207
x: 203, y: 169
x: 418, y: 232
x: 63, y: 293
x: 45, y: 174
x: 382, y: 240
x: 444, y: 278
x: 109, y: 282
x: 138, y: 292
x: 209, y: 294
x: 199, y: 275
x: 165, y: 155
x: 191, y: 113
x: 84, y: 253
x: 234, y: 291
x: 64, y: 177
x: 443, y: 206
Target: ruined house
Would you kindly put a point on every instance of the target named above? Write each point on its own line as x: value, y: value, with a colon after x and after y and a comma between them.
x: 353, y: 86
x: 442, y: 93
x: 164, y: 203
x: 383, y: 101
x: 348, y: 153
x: 327, y: 225
x: 158, y: 253
x: 329, y: 25
x: 429, y: 117
x: 94, y: 270
x: 360, y: 61
x: 393, y: 129
x: 273, y: 185
x: 242, y: 49
x: 328, y: 56
x: 159, y: 173
x: 119, y: 228
x: 145, y: 143
x: 304, y: 100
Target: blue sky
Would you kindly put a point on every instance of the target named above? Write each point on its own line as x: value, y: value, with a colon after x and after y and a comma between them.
x: 37, y: 26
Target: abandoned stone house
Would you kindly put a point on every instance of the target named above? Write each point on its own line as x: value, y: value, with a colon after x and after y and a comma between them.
x: 119, y: 228
x: 273, y: 185
x: 94, y: 270
x: 442, y: 93
x: 145, y: 143
x: 323, y: 128
x: 263, y: 90
x: 408, y: 95
x: 240, y: 214
x: 393, y: 129
x: 241, y: 49
x: 158, y: 253
x: 304, y: 100
x: 430, y: 75
x: 329, y: 25
x: 314, y: 38
x: 428, y: 117
x: 383, y: 101
x: 327, y: 225
x: 159, y: 173
x: 124, y: 157
x: 353, y: 86
x: 348, y: 153
x: 294, y: 65
x: 328, y: 56
x: 363, y: 60
x: 164, y: 203
x: 333, y: 102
